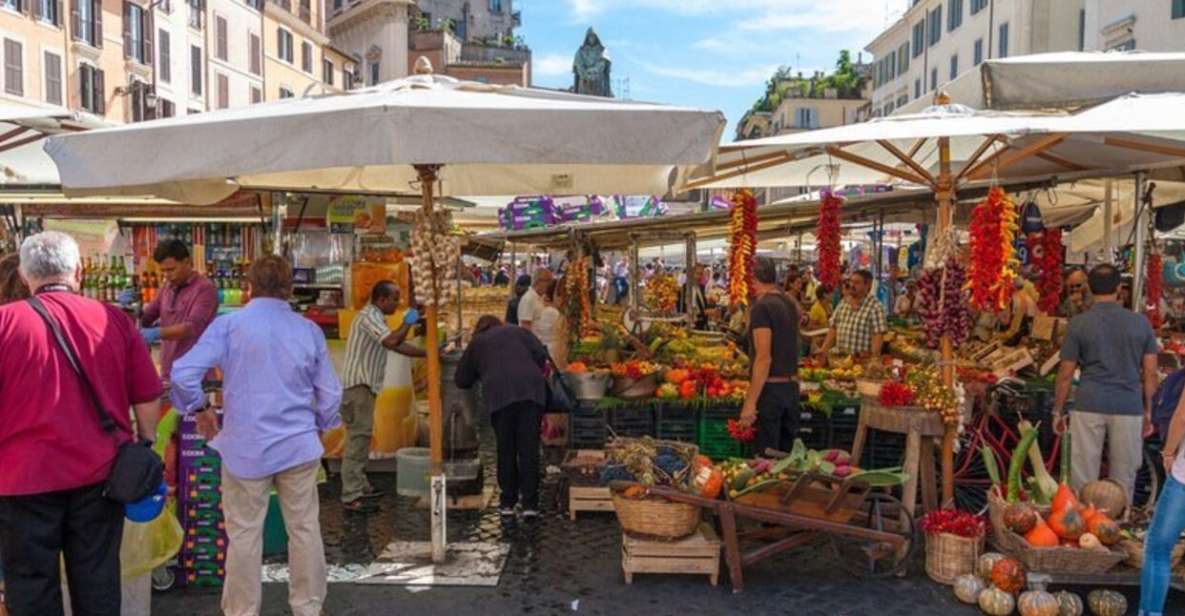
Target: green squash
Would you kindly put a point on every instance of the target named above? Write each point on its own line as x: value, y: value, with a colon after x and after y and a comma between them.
x: 1106, y: 603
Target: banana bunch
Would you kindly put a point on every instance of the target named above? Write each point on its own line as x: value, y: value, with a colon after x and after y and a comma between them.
x: 435, y: 257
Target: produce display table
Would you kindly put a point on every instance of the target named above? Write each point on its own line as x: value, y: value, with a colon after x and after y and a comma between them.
x: 874, y: 534
x: 923, y: 430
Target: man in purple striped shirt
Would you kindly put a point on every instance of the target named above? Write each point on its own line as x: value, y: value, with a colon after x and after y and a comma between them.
x: 280, y: 393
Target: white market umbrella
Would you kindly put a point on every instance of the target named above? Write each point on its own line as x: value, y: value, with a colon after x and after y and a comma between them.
x: 23, y: 162
x: 426, y: 132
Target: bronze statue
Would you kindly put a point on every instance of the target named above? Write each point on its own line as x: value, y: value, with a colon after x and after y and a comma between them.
x: 591, y: 68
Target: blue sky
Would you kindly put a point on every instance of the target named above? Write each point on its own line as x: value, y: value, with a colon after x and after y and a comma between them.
x: 713, y: 54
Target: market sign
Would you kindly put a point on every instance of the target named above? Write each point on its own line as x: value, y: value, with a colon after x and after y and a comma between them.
x: 361, y: 215
x: 542, y: 211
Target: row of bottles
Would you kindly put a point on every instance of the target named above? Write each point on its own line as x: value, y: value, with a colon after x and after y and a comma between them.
x: 228, y: 275
x: 105, y: 279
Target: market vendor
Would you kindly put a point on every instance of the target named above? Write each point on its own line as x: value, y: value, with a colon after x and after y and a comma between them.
x: 182, y: 309
x: 1116, y: 350
x: 858, y: 324
x: 530, y: 307
x: 693, y: 300
x: 771, y: 402
x: 1078, y: 298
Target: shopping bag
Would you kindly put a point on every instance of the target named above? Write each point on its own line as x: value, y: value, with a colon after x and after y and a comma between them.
x: 148, y: 546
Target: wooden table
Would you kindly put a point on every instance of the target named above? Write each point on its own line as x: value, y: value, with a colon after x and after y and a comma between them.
x: 923, y: 432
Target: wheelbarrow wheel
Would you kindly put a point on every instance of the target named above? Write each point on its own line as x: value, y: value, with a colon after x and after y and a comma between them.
x: 868, y: 558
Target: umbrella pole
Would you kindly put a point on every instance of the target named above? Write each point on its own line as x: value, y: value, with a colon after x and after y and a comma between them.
x: 944, y: 190
x: 427, y: 175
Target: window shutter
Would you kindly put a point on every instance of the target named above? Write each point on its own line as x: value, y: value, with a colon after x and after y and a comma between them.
x: 97, y: 11
x: 147, y: 27
x: 76, y: 20
x: 57, y: 16
x: 127, y: 29
x: 35, y: 6
x: 100, y: 93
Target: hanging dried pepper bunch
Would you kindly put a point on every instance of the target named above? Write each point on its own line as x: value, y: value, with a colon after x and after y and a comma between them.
x: 1051, y: 270
x: 576, y: 289
x: 993, y: 261
x: 827, y: 238
x: 1155, y: 288
x: 942, y: 304
x: 742, y: 246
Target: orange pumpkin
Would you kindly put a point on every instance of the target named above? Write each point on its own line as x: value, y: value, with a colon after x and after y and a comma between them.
x: 1041, y: 536
x: 1008, y: 576
x: 1064, y: 499
x: 1105, y: 529
x: 1067, y: 523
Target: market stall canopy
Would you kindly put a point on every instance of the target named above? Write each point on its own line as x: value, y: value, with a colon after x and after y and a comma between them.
x: 23, y: 161
x: 1132, y: 133
x: 491, y: 140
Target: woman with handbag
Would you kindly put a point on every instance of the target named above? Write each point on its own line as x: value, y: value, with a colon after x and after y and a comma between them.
x: 509, y: 362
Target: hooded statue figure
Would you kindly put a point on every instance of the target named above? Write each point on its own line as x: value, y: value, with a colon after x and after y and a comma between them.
x: 591, y: 67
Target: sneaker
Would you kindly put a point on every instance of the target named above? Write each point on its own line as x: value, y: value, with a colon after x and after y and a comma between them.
x: 506, y: 512
x: 530, y: 514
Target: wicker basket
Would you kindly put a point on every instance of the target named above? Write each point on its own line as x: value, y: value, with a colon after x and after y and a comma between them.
x: 1060, y: 560
x: 949, y: 556
x: 1134, y: 553
x: 656, y: 518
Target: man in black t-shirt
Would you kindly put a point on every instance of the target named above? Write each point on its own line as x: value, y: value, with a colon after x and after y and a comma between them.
x: 772, y: 401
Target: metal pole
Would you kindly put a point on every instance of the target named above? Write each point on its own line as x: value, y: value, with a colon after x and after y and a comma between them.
x: 427, y: 175
x: 945, y: 193
x: 689, y: 261
x: 634, y: 273
x: 1108, y: 216
x: 1141, y: 251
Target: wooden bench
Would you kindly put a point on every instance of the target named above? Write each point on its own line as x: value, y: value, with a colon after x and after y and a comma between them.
x: 698, y: 554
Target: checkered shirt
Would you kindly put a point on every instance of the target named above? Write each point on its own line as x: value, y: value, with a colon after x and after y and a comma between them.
x: 855, y: 327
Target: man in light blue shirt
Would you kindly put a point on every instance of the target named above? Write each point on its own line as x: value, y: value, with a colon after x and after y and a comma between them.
x: 280, y: 393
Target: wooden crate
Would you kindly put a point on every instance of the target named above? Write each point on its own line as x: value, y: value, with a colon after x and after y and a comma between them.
x: 699, y: 554
x: 584, y: 498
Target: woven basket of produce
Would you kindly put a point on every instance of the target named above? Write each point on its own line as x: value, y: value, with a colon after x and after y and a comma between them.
x: 652, y: 517
x: 1133, y: 550
x: 1053, y: 560
x: 948, y: 556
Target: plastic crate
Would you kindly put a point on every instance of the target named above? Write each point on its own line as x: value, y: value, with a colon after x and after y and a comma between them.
x: 714, y: 440
x: 586, y: 427
x: 843, y: 422
x: 814, y: 428
x: 632, y: 421
x: 677, y: 422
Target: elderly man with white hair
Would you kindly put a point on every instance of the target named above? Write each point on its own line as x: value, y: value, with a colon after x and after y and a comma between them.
x: 54, y: 452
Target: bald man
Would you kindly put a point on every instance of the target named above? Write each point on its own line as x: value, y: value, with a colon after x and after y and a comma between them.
x: 1078, y: 299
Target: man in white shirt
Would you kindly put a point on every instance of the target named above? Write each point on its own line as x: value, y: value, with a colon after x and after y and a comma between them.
x: 530, y: 307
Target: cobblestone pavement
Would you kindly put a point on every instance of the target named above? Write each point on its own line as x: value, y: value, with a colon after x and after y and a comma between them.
x: 561, y: 567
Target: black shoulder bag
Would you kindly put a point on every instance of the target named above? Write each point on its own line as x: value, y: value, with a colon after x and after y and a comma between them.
x: 560, y: 397
x: 137, y: 471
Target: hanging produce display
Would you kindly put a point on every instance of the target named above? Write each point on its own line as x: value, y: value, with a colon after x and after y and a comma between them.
x: 578, y: 309
x: 662, y: 292
x: 827, y: 238
x: 1155, y: 288
x: 742, y: 246
x: 993, y: 262
x: 436, y: 255
x: 1050, y: 266
x: 943, y: 305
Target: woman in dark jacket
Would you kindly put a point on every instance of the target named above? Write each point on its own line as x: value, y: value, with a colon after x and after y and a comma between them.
x: 509, y: 361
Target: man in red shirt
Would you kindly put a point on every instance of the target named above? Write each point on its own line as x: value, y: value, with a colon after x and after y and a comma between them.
x: 183, y: 308
x: 54, y: 454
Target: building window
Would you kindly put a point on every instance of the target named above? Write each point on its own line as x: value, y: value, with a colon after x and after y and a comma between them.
x: 919, y: 38
x: 285, y: 92
x: 14, y: 68
x: 256, y: 95
x: 53, y: 78
x: 221, y: 44
x: 12, y: 5
x: 139, y: 102
x: 47, y: 11
x: 806, y: 117
x: 197, y: 11
x: 347, y: 79
x: 137, y: 41
x: 87, y: 22
x: 284, y: 45
x: 1128, y: 45
x: 902, y: 100
x: 165, y: 108
x: 1178, y: 9
x: 306, y: 57
x: 917, y: 88
x: 195, y: 69
x: 954, y: 16
x: 306, y: 11
x: 337, y: 5
x: 1082, y: 29
x: 903, y: 59
x: 374, y: 73
x: 954, y: 66
x: 164, y: 63
x: 934, y: 78
x: 1003, y: 50
x: 327, y: 71
x: 978, y: 52
x: 223, y: 91
x: 495, y: 6
x: 934, y: 25
x: 253, y: 47
x: 978, y: 5
x: 91, y: 89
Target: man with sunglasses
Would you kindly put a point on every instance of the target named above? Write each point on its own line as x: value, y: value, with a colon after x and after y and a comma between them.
x: 184, y: 307
x: 1078, y: 299
x: 858, y: 323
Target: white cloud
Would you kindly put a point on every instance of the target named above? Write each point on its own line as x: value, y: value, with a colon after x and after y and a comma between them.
x: 708, y: 77
x: 828, y: 15
x: 551, y: 65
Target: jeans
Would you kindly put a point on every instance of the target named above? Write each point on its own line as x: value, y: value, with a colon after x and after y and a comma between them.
x: 517, y: 430
x: 1167, y: 525
x: 777, y: 417
x: 38, y: 529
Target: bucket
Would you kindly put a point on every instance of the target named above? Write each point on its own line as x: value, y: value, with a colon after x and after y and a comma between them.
x: 412, y: 468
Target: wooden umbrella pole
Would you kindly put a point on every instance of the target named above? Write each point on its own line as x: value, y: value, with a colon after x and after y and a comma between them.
x: 431, y: 340
x: 944, y: 190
